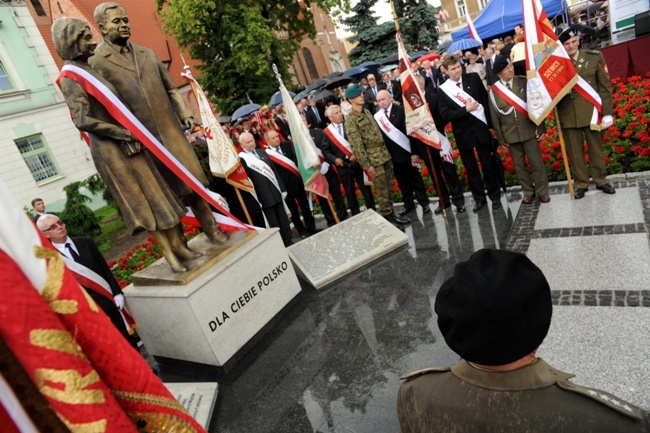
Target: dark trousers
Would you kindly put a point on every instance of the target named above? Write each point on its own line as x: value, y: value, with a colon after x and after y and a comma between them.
x: 300, y: 201
x: 348, y: 180
x: 337, y: 197
x: 410, y: 183
x: 450, y: 185
x: 490, y: 175
x: 277, y: 217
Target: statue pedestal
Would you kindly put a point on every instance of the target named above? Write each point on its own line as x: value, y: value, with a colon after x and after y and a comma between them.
x: 208, y: 313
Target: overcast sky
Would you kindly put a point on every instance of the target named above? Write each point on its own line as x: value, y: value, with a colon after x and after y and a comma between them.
x: 382, y: 11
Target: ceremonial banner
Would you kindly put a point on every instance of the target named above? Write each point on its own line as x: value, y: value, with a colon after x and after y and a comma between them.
x: 472, y: 30
x: 306, y: 151
x: 549, y: 70
x: 419, y: 122
x: 224, y: 161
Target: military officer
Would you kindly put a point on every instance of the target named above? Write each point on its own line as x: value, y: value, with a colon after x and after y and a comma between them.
x: 516, y: 131
x: 575, y: 114
x: 368, y: 146
x: 494, y: 312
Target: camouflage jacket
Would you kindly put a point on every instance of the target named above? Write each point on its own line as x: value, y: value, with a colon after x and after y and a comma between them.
x: 365, y: 139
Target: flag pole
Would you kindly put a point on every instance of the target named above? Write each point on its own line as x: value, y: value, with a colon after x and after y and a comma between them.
x: 567, y: 169
x: 336, y: 217
x: 243, y: 206
x: 434, y: 175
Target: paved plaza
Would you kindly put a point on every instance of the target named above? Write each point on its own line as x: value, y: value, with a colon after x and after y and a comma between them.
x: 331, y: 361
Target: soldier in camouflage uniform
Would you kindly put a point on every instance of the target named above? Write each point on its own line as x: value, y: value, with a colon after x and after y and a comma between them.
x: 368, y: 146
x: 495, y: 312
x: 575, y: 116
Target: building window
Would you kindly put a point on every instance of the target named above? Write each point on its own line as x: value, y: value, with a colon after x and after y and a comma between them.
x: 481, y: 4
x: 311, y: 66
x: 38, y: 8
x: 460, y: 7
x: 5, y: 82
x: 38, y: 158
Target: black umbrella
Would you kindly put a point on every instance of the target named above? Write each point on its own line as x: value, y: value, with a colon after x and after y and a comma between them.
x: 369, y: 65
x: 390, y: 59
x: 355, y: 72
x: 444, y: 46
x: 301, y: 95
x: 316, y: 84
x: 277, y: 98
x: 224, y: 119
x: 416, y: 55
x: 323, y: 94
x: 338, y: 82
x: 245, y: 110
x: 333, y: 75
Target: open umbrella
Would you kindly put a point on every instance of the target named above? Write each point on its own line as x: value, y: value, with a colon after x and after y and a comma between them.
x: 323, y: 94
x: 316, y: 84
x: 277, y: 98
x: 355, y: 72
x: 224, y: 119
x: 245, y: 110
x: 333, y: 75
x: 338, y: 82
x: 369, y: 65
x: 418, y: 54
x: 463, y: 44
x: 390, y: 59
x: 430, y: 57
x: 444, y: 46
x: 387, y: 68
x: 301, y: 95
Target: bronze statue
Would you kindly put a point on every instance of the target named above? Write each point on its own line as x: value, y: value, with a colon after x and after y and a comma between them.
x: 144, y: 85
x: 145, y: 199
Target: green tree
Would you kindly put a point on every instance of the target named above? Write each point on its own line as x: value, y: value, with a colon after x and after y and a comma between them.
x: 238, y: 42
x: 418, y: 23
x: 79, y: 219
x: 374, y: 41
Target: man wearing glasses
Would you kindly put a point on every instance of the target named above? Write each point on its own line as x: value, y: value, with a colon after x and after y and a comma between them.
x: 83, y: 258
x: 370, y: 94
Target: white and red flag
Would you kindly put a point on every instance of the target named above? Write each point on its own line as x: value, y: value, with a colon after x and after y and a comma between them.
x: 224, y: 161
x: 419, y: 122
x: 549, y: 70
x: 472, y: 30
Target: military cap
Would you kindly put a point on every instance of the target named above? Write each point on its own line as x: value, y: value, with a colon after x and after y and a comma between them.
x: 353, y: 91
x: 500, y: 62
x: 495, y: 309
x: 568, y: 34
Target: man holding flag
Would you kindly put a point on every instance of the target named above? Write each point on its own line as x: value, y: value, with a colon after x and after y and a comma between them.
x: 576, y: 113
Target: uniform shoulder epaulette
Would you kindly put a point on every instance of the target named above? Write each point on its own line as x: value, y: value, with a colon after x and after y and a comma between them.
x: 604, y: 398
x: 596, y: 52
x: 419, y: 373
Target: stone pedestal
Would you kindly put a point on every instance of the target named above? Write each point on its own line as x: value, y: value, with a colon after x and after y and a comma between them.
x: 197, y: 397
x: 218, y: 310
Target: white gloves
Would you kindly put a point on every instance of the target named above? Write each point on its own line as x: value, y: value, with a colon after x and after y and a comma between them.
x: 607, y: 122
x: 119, y: 301
x: 284, y: 195
x: 324, y: 167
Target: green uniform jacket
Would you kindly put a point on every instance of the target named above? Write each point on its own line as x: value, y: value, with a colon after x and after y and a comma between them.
x: 535, y: 398
x: 574, y: 110
x: 365, y: 139
x: 514, y: 127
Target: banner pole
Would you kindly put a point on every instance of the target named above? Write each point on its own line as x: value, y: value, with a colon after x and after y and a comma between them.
x: 567, y: 169
x: 243, y: 205
x: 434, y: 176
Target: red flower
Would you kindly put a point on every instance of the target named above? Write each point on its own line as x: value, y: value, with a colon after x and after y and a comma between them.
x: 619, y: 149
x: 556, y: 165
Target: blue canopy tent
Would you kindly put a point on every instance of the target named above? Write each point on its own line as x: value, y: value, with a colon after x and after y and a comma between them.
x: 501, y: 16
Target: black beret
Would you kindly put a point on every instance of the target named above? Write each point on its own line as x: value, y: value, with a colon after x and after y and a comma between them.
x: 567, y: 34
x: 496, y: 308
x: 500, y: 62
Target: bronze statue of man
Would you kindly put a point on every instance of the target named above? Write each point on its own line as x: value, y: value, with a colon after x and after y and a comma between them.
x: 129, y: 171
x: 144, y: 84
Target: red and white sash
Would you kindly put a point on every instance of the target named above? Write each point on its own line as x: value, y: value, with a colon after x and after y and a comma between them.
x: 585, y: 90
x: 342, y: 144
x: 282, y: 160
x: 127, y: 119
x: 460, y: 97
x: 263, y: 168
x: 391, y: 131
x: 509, y: 96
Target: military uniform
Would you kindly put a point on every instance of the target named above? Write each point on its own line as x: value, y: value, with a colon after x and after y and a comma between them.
x: 534, y: 398
x: 520, y: 133
x: 368, y: 146
x: 575, y: 115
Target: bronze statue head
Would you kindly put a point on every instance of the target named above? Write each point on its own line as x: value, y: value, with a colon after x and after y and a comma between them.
x: 113, y: 22
x: 66, y: 32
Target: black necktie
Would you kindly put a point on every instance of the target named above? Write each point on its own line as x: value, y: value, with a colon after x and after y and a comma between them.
x: 73, y: 253
x: 508, y: 86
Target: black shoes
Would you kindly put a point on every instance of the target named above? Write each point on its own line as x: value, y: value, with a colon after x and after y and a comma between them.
x: 399, y: 220
x: 479, y: 205
x: 461, y: 208
x: 496, y: 205
x: 406, y: 210
x: 426, y: 209
x: 607, y: 189
x: 580, y: 192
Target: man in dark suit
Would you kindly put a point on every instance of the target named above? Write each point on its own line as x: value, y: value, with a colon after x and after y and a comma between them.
x: 370, y: 94
x: 315, y: 118
x: 282, y: 122
x: 334, y: 184
x: 268, y: 184
x: 451, y: 190
x: 462, y: 99
x: 402, y: 149
x: 491, y: 77
x: 283, y: 156
x: 338, y: 153
x: 430, y: 75
x: 84, y: 252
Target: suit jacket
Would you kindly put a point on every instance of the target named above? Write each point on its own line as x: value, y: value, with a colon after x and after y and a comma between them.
x: 267, y: 193
x: 431, y: 84
x: 514, y: 127
x: 369, y: 98
x: 93, y: 259
x: 490, y: 76
x: 292, y: 183
x: 468, y: 130
x: 396, y: 89
x: 574, y: 110
x: 397, y: 117
x: 284, y: 127
x: 312, y: 120
x: 330, y: 150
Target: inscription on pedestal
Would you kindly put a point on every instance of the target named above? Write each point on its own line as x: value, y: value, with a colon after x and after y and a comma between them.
x: 197, y: 398
x: 339, y: 250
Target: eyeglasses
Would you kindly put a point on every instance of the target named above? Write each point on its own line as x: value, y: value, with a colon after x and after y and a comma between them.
x: 59, y: 223
x: 371, y: 79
